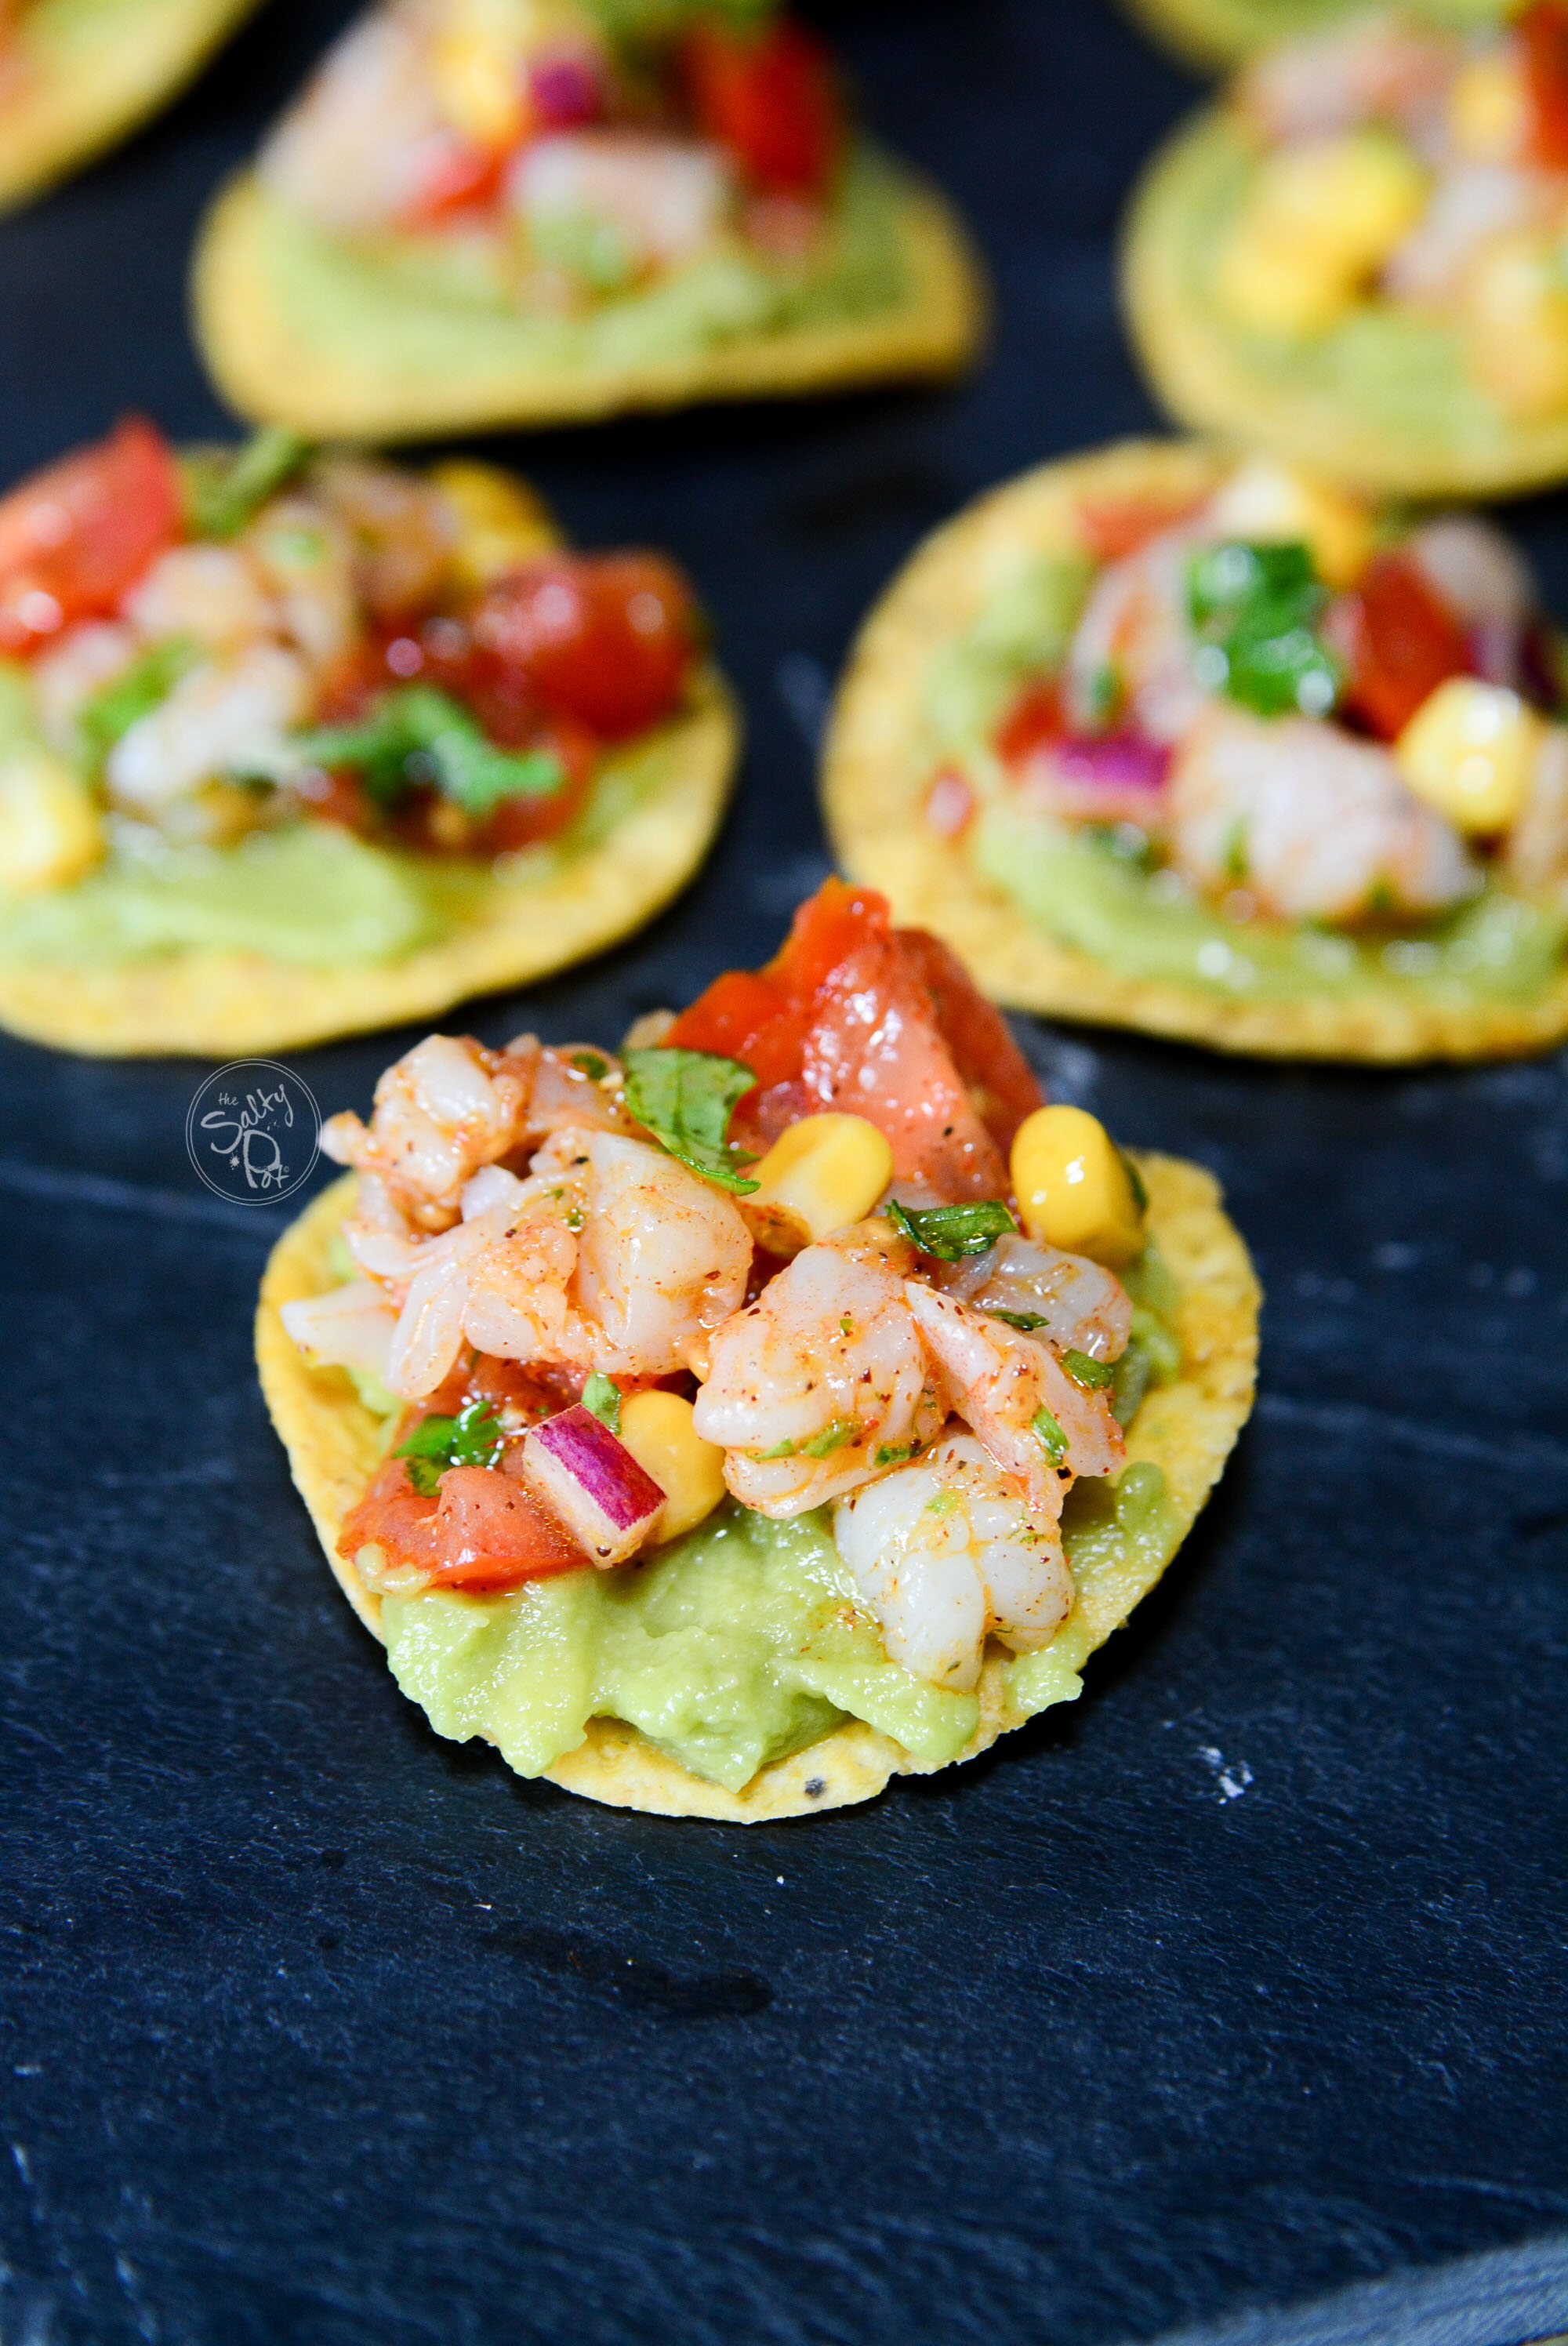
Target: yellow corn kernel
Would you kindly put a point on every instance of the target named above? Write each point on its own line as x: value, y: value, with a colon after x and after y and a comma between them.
x: 477, y: 72
x: 50, y: 830
x: 1470, y: 752
x: 824, y: 1172
x: 1074, y: 1188
x: 1513, y: 319
x: 1321, y: 217
x: 657, y: 1428
x: 1271, y: 504
x: 1489, y: 108
x: 500, y: 520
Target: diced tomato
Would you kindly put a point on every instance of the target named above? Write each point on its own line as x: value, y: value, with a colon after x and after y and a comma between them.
x: 76, y: 536
x: 461, y: 178
x: 608, y: 638
x: 999, y: 1079
x: 1399, y: 640
x: 525, y: 822
x: 769, y: 97
x: 1114, y: 528
x: 1035, y: 719
x: 481, y: 1529
x: 1544, y: 30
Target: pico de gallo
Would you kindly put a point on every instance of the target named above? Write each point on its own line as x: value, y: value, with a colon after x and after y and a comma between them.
x: 197, y: 647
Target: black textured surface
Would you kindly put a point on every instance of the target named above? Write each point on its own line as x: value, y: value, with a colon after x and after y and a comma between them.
x: 1242, y: 1981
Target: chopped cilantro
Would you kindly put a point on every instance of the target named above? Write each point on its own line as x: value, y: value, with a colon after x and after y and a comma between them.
x: 951, y: 1233
x: 780, y: 1450
x: 1049, y: 1432
x: 108, y: 715
x: 833, y: 1437
x: 685, y: 1099
x: 589, y: 1063
x: 893, y: 1453
x: 1095, y: 1376
x: 1256, y: 610
x: 473, y: 1438
x: 942, y: 1503
x: 417, y: 734
x: 224, y: 490
x: 1024, y: 1321
x: 602, y: 1395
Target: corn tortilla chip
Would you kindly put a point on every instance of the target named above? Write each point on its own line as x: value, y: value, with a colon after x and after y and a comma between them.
x: 1187, y: 1428
x: 876, y: 775
x: 1221, y: 32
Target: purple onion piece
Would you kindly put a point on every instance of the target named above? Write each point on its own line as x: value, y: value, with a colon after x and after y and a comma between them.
x: 1112, y: 761
x: 590, y: 1479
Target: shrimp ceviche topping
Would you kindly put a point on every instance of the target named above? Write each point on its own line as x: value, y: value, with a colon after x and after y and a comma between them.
x: 195, y: 649
x: 764, y: 1357
x: 1265, y: 738
x: 591, y: 149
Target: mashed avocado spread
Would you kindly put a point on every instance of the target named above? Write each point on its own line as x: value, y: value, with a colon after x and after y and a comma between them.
x: 1085, y: 889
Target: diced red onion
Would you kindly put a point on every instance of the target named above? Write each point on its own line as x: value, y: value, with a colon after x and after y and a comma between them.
x: 565, y: 89
x: 579, y: 1468
x: 1112, y: 761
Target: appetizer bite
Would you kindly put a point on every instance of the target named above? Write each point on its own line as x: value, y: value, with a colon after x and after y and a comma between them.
x: 77, y: 76
x: 1356, y: 261
x: 525, y: 211
x: 1223, y: 32
x: 294, y: 743
x: 1193, y: 742
x: 790, y: 1402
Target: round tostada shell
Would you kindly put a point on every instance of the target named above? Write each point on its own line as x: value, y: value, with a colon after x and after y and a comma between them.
x: 1187, y: 1428
x: 93, y: 70
x: 1423, y: 430
x: 274, y: 367
x: 1223, y: 32
x: 876, y: 774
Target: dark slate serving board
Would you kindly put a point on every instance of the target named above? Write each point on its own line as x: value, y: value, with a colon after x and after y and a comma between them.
x: 1238, y: 1984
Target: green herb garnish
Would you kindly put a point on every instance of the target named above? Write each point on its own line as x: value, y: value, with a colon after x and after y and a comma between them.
x: 1095, y: 1376
x: 1256, y: 610
x: 602, y: 1395
x: 833, y: 1437
x: 1049, y: 1432
x: 108, y: 717
x: 419, y: 734
x: 473, y: 1438
x: 589, y: 1063
x: 1024, y: 1321
x: 780, y: 1450
x: 894, y: 1453
x: 951, y: 1233
x: 685, y: 1099
x: 224, y: 491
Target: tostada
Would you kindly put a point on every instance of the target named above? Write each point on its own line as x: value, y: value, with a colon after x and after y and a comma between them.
x: 293, y: 743
x: 531, y: 211
x: 75, y: 76
x: 1222, y: 32
x: 788, y: 1402
x: 1358, y: 258
x: 1189, y: 742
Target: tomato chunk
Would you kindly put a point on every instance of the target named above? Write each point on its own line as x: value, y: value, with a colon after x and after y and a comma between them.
x: 608, y: 638
x: 481, y: 1529
x: 76, y: 536
x: 1399, y: 640
x: 1544, y: 30
x: 1036, y: 720
x: 461, y: 178
x: 768, y: 96
x: 1114, y: 528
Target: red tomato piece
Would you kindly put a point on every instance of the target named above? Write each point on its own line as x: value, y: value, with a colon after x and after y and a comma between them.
x: 1544, y: 30
x: 1035, y: 719
x: 461, y: 178
x: 76, y: 536
x: 525, y: 822
x: 1399, y: 640
x: 999, y: 1079
x: 481, y: 1529
x: 1113, y: 528
x: 608, y: 638
x: 769, y: 97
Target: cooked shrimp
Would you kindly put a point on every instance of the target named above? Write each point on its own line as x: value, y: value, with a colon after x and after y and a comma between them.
x: 77, y: 664
x: 350, y: 1327
x: 823, y: 1382
x: 664, y: 199
x: 401, y: 530
x: 1313, y: 824
x: 1014, y: 1393
x: 1535, y: 856
x: 1468, y: 206
x: 1083, y: 1307
x: 225, y: 717
x: 210, y: 594
x: 442, y: 1111
x: 305, y: 559
x: 1135, y: 632
x: 944, y: 1552
x: 356, y: 152
x: 1379, y: 69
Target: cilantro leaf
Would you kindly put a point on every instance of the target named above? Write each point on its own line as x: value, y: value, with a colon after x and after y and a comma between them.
x: 602, y: 1395
x: 417, y: 733
x: 1049, y: 1432
x: 1024, y: 1321
x: 685, y: 1099
x: 1256, y: 610
x: 224, y: 490
x: 833, y: 1437
x: 589, y: 1063
x: 474, y: 1437
x: 1093, y: 1375
x: 107, y: 716
x: 951, y: 1233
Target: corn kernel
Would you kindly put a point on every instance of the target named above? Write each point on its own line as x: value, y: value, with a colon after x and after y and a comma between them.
x: 657, y: 1428
x: 1514, y: 321
x: 1271, y: 504
x: 1074, y: 1188
x: 823, y: 1173
x: 50, y: 829
x: 477, y: 72
x: 500, y: 520
x: 1470, y: 751
x: 1489, y: 108
x: 1320, y: 219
